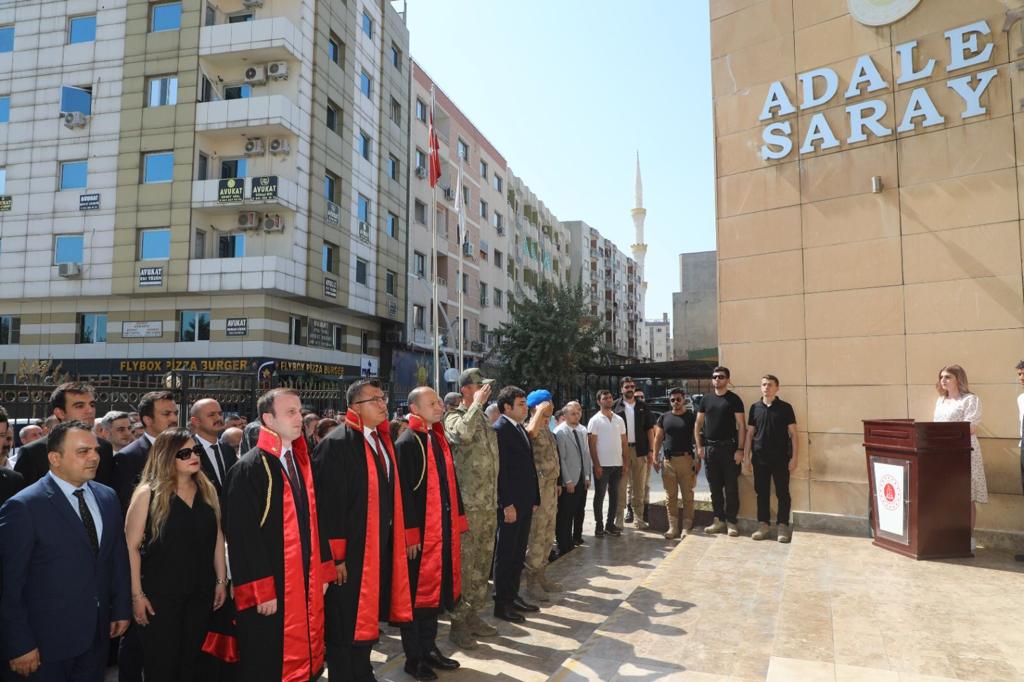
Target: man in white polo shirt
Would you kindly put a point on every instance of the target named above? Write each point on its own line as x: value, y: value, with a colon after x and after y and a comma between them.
x: 607, y: 440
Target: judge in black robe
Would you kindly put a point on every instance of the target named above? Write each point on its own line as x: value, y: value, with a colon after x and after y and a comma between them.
x: 275, y: 553
x: 434, y: 503
x: 363, y: 522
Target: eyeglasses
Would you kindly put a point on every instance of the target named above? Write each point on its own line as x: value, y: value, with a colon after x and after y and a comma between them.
x: 187, y: 453
x: 377, y: 398
x: 716, y: 377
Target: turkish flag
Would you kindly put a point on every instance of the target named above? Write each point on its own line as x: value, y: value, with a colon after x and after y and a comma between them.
x: 435, y: 154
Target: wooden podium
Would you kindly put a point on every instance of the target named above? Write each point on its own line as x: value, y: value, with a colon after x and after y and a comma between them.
x: 919, y: 478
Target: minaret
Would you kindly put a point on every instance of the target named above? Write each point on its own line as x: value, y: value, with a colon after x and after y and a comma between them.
x: 639, y: 248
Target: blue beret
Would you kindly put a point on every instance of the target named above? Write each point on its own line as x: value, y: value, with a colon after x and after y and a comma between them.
x: 537, y: 397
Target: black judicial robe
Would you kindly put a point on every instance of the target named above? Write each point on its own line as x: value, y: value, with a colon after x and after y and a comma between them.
x: 363, y: 523
x: 262, y: 527
x: 433, y: 501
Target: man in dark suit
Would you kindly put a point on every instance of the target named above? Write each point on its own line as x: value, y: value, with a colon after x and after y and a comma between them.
x: 66, y: 587
x: 71, y: 401
x: 518, y: 497
x: 10, y: 481
x: 206, y: 420
x: 158, y: 412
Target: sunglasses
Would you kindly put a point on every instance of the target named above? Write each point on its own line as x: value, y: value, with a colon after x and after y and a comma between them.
x: 187, y: 453
x: 718, y: 376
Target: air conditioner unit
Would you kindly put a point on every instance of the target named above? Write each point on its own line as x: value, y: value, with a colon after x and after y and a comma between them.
x: 421, y: 172
x: 364, y: 231
x: 252, y: 4
x: 501, y: 231
x: 467, y: 249
x: 273, y: 224
x: 69, y: 269
x: 277, y: 70
x: 249, y: 220
x: 75, y: 119
x: 279, y: 145
x: 255, y: 146
x: 449, y: 193
x: 256, y: 74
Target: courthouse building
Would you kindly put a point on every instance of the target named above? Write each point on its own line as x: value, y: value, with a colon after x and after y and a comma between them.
x: 870, y: 169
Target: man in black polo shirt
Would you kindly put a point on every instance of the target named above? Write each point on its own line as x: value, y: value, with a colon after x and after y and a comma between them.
x: 771, y: 436
x: 677, y: 467
x: 721, y: 447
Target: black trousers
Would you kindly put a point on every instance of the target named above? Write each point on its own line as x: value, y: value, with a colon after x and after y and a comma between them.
x: 572, y: 507
x: 349, y: 663
x: 129, y: 654
x: 607, y: 481
x: 174, y: 636
x: 419, y: 637
x: 723, y: 475
x: 87, y: 667
x: 510, y: 553
x: 768, y: 467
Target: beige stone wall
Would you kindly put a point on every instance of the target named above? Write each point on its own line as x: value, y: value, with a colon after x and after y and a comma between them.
x: 856, y: 299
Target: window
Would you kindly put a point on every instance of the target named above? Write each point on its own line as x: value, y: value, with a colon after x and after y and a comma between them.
x: 202, y: 167
x: 10, y: 330
x: 3, y: 180
x: 206, y: 90
x: 390, y: 282
x: 155, y: 244
x: 238, y: 92
x: 200, y: 245
x: 68, y: 248
x: 363, y: 208
x: 367, y: 24
x: 420, y: 212
x: 498, y: 296
x: 396, y: 57
x: 336, y: 50
x: 483, y: 333
x: 365, y: 83
x: 483, y: 209
x: 76, y: 99
x: 463, y: 149
x: 82, y: 29
x: 333, y: 117
x: 295, y: 331
x: 465, y: 195
x: 157, y: 167
x: 194, y: 325
x: 421, y: 159
x: 396, y: 111
x: 418, y: 317
x: 392, y: 167
x: 364, y: 144
x: 499, y: 258
x: 92, y: 328
x: 234, y: 168
x: 339, y: 337
x: 498, y: 183
x: 465, y: 283
x: 421, y: 110
x: 364, y: 343
x: 7, y: 39
x: 231, y: 246
x: 211, y: 16
x: 392, y: 225
x: 331, y: 185
x: 5, y: 109
x: 165, y: 16
x: 240, y: 17
x: 162, y: 91
x: 498, y: 220
x: 361, y: 266
x: 483, y: 294
x: 419, y: 264
x: 329, y: 258
x: 483, y: 169
x: 73, y: 174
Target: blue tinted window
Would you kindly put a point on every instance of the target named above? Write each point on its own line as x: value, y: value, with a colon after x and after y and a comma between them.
x: 68, y: 249
x: 194, y: 325
x: 364, y: 209
x: 76, y: 99
x: 155, y: 244
x: 365, y: 83
x: 82, y: 30
x: 92, y: 328
x: 5, y: 109
x: 7, y: 39
x: 367, y: 25
x: 166, y: 17
x: 158, y: 167
x: 73, y: 174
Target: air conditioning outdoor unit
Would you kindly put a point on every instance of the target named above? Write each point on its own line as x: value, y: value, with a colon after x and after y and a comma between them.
x: 75, y: 119
x: 279, y: 145
x: 255, y: 146
x: 252, y: 4
x: 249, y: 220
x: 69, y: 269
x: 256, y: 74
x: 501, y: 230
x: 421, y: 172
x: 364, y: 231
x: 273, y: 224
x: 467, y: 249
x: 278, y: 70
x: 449, y: 193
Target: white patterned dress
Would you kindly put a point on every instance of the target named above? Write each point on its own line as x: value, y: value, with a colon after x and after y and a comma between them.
x: 966, y: 408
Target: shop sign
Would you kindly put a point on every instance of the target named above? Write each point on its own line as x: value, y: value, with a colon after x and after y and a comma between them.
x: 236, y: 326
x: 230, y: 190
x: 320, y: 334
x: 330, y: 287
x: 969, y: 46
x: 6, y: 202
x: 263, y: 188
x: 333, y: 213
x: 151, y: 277
x: 152, y: 329
x: 88, y: 202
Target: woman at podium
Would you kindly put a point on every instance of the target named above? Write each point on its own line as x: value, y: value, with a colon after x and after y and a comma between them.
x: 956, y: 403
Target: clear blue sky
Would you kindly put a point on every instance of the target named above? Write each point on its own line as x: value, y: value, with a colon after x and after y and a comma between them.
x: 569, y: 90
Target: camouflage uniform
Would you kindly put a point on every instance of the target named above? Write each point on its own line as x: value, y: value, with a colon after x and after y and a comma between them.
x: 475, y: 448
x: 542, y: 529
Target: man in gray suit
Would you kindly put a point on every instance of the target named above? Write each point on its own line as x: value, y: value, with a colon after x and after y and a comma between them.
x: 576, y: 473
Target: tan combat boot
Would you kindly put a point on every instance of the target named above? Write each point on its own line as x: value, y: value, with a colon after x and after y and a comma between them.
x: 460, y: 637
x: 762, y: 532
x: 534, y: 591
x: 480, y: 627
x: 546, y: 583
x: 717, y: 527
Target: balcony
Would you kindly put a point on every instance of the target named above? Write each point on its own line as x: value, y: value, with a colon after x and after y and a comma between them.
x: 265, y: 116
x: 205, y: 196
x: 263, y: 40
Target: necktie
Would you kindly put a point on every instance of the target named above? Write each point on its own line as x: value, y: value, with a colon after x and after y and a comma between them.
x: 576, y: 437
x: 380, y: 455
x: 220, y: 462
x: 88, y: 521
x: 293, y: 477
x: 523, y: 431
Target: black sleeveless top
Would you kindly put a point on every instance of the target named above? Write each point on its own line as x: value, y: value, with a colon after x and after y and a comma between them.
x: 180, y: 560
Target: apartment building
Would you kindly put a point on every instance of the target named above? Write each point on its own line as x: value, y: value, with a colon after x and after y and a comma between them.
x: 656, y: 340
x: 541, y: 242
x: 203, y: 186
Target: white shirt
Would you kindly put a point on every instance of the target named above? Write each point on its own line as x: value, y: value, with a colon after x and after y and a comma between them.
x: 145, y: 434
x: 213, y: 459
x: 609, y: 432
x: 369, y: 434
x: 630, y: 422
x: 90, y: 502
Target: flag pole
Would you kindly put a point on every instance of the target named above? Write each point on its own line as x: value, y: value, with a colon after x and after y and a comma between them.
x: 435, y: 308
x: 462, y: 238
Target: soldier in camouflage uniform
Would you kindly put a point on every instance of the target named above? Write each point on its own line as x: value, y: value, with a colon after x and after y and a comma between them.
x: 475, y: 448
x: 542, y: 530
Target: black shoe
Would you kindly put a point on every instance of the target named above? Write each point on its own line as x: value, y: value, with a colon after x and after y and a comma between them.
x: 435, y: 659
x: 420, y: 670
x: 647, y: 513
x: 578, y: 542
x: 505, y: 613
x: 553, y: 556
x: 612, y: 529
x: 519, y: 605
x: 629, y: 513
x: 598, y: 532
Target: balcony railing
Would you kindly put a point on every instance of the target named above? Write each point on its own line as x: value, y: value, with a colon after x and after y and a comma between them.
x: 266, y: 116
x: 262, y: 40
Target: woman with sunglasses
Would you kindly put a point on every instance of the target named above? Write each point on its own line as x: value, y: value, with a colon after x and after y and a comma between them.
x: 176, y: 551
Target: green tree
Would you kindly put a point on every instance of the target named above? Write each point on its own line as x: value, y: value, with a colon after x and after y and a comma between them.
x: 547, y: 341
